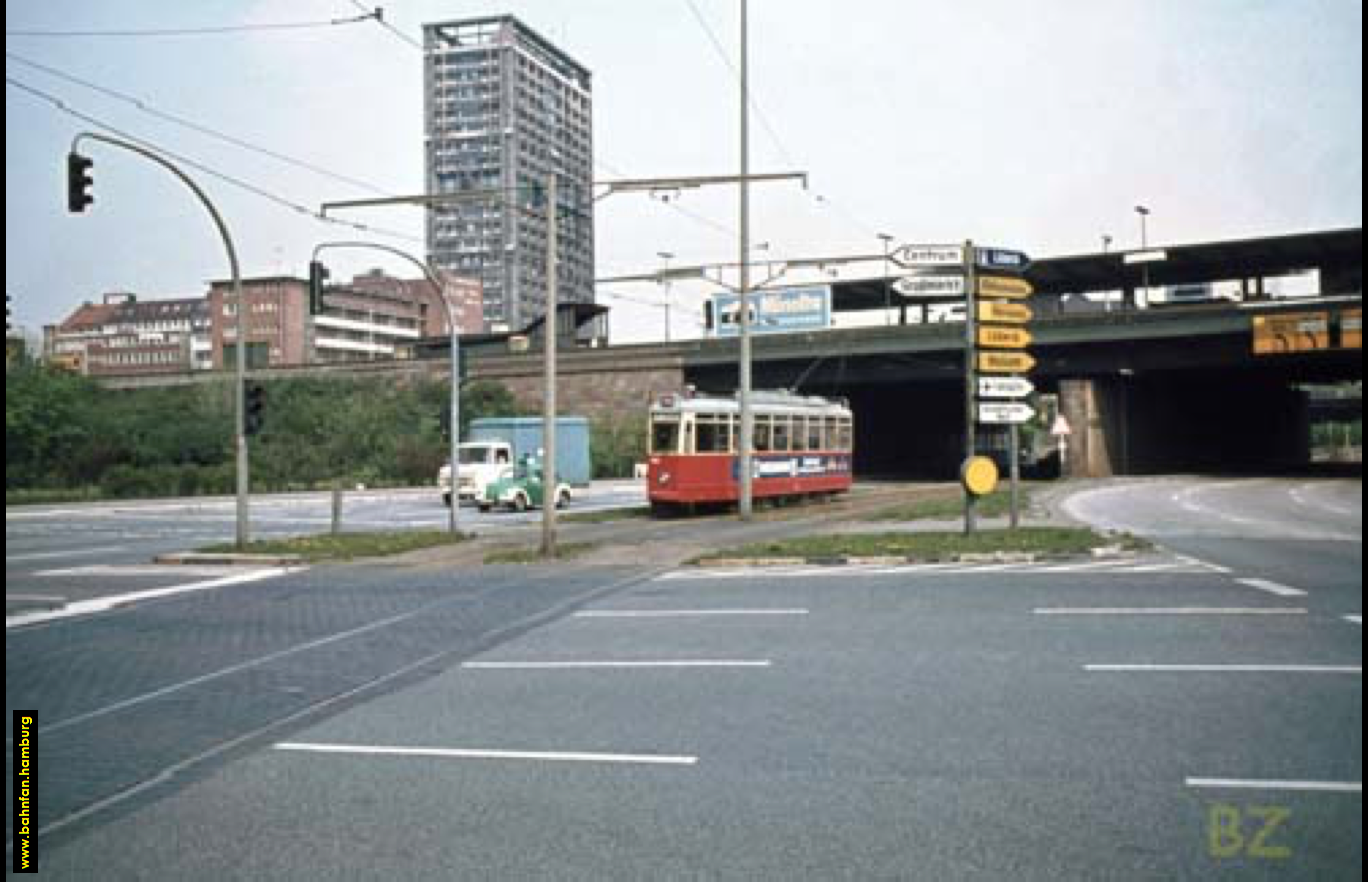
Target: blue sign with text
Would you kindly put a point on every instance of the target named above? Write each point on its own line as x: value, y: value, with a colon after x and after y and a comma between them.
x: 780, y: 311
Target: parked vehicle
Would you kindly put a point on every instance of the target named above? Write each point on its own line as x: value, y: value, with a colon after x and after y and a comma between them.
x: 521, y: 489
x: 480, y: 463
x: 496, y: 443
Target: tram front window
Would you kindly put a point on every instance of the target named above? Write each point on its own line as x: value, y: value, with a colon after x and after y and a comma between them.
x: 665, y: 438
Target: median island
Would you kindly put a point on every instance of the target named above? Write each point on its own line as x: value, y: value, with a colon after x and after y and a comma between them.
x: 342, y: 546
x: 1028, y: 543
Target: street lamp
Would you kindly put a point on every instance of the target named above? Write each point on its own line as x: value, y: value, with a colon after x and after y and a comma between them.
x: 666, y: 256
x: 438, y: 283
x: 1144, y: 213
x: 888, y: 291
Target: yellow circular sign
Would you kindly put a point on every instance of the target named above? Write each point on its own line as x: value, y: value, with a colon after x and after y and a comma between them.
x: 979, y: 475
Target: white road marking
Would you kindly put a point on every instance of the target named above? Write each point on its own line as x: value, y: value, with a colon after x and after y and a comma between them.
x: 1272, y: 587
x: 104, y: 604
x: 590, y: 665
x: 1357, y: 620
x: 1170, y: 611
x: 1251, y: 784
x: 454, y: 753
x: 682, y: 613
x: 78, y: 552
x: 52, y: 598
x: 137, y: 570
x: 1215, y: 568
x: 1227, y: 669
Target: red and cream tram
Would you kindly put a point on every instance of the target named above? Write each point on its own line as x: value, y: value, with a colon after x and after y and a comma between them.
x: 802, y: 447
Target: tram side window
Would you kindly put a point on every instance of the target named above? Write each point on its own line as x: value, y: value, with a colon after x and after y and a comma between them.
x: 833, y: 433
x: 764, y: 427
x: 844, y: 435
x: 665, y: 438
x: 814, y: 434
x: 714, y: 434
x: 800, y: 435
x: 782, y: 434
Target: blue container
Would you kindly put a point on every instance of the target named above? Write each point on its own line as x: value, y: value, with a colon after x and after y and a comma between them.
x: 525, y: 434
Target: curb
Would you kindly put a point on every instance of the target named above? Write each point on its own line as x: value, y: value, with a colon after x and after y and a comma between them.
x: 995, y: 557
x: 229, y: 560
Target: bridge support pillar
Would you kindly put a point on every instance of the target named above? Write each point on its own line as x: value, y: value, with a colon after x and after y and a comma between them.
x: 1091, y: 407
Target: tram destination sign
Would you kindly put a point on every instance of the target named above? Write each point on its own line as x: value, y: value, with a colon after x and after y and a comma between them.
x: 914, y: 256
x: 930, y: 286
x: 1004, y: 387
x: 1000, y: 413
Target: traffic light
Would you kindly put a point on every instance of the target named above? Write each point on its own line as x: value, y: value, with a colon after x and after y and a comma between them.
x: 78, y: 181
x: 318, y: 274
x: 256, y: 407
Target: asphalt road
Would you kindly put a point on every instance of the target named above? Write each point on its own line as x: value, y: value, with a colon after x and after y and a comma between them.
x: 62, y: 554
x: 1185, y: 715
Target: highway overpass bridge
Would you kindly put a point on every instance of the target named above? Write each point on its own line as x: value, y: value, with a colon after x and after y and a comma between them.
x: 1145, y: 388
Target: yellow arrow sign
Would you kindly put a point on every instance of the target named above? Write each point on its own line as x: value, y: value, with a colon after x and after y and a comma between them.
x: 1008, y: 313
x: 1004, y: 286
x: 1005, y: 362
x: 1003, y: 338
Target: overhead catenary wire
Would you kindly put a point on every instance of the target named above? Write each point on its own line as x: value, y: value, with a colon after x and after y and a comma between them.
x: 765, y: 123
x: 146, y: 107
x: 226, y: 178
x: 197, y: 32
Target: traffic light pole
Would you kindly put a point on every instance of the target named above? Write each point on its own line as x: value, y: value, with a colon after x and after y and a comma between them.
x: 240, y: 406
x: 453, y: 328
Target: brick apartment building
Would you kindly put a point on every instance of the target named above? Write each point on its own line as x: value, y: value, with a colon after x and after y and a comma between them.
x: 374, y: 317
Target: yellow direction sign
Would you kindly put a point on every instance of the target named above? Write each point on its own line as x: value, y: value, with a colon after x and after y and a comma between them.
x: 996, y: 337
x: 1005, y: 362
x: 1007, y: 313
x: 1004, y: 286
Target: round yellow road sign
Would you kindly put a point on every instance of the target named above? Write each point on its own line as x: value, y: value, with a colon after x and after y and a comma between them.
x: 979, y: 475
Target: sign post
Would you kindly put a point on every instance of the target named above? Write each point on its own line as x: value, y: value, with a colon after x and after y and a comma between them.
x: 995, y: 340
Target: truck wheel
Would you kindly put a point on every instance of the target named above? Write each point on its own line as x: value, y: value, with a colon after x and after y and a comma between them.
x: 446, y: 500
x: 485, y: 507
x: 520, y: 503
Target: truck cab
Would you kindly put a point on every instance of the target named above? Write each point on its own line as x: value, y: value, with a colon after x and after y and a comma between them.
x: 481, y: 463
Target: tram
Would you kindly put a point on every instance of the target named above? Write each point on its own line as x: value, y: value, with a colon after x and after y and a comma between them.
x: 802, y: 448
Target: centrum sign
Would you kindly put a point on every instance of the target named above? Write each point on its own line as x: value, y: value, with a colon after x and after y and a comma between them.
x: 913, y: 256
x: 780, y: 311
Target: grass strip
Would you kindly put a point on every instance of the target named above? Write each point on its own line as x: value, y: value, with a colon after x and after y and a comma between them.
x: 521, y: 555
x: 948, y: 505
x: 606, y: 516
x: 344, y: 546
x: 934, y: 546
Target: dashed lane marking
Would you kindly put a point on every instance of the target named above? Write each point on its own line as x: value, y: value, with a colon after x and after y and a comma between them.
x: 1171, y: 611
x: 682, y: 613
x: 1256, y: 784
x: 655, y: 759
x: 1116, y: 567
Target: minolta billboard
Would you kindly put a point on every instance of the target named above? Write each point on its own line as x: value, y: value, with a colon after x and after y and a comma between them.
x: 777, y: 311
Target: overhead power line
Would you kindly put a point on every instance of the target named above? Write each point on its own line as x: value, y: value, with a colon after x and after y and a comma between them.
x: 147, y: 108
x: 241, y: 184
x: 765, y: 123
x: 199, y: 32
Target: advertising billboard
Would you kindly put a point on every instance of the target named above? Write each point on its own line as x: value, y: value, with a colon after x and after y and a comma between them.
x: 777, y: 311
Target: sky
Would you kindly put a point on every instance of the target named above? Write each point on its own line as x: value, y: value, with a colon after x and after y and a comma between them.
x: 1031, y: 125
